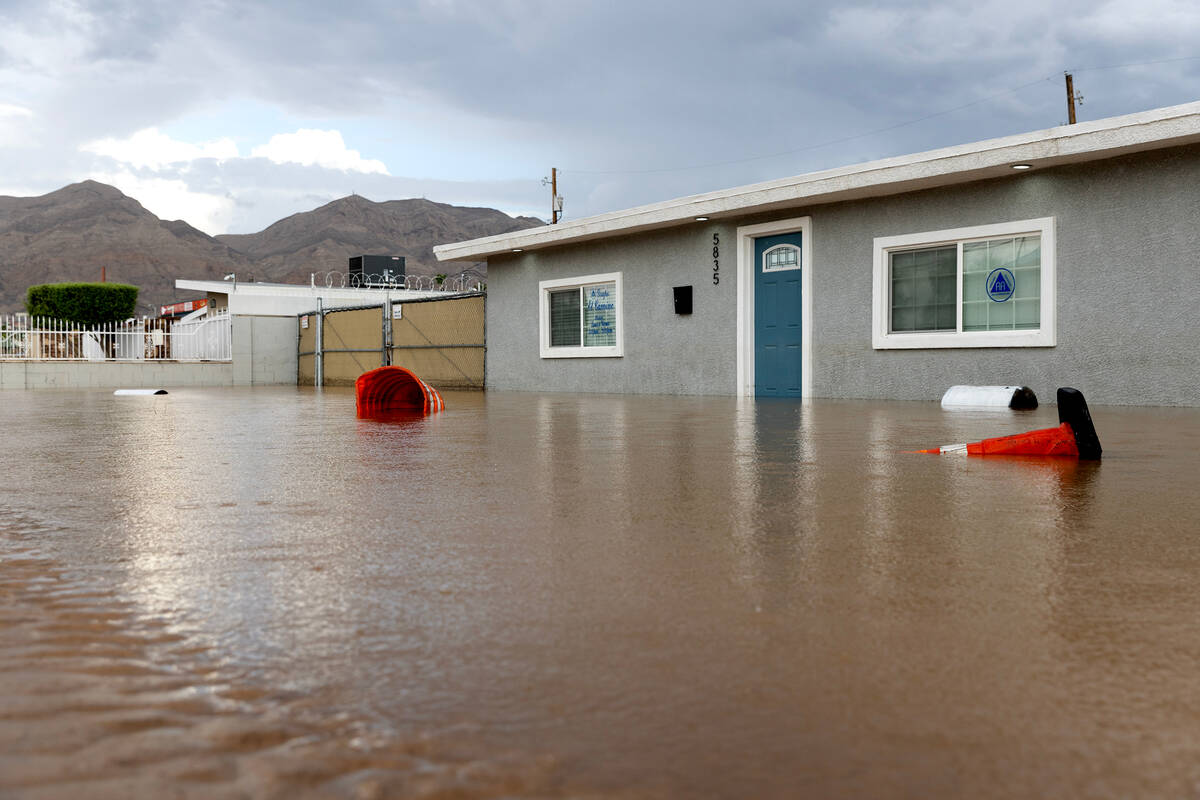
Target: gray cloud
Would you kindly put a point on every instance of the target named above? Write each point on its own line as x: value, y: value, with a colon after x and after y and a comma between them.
x: 594, y: 86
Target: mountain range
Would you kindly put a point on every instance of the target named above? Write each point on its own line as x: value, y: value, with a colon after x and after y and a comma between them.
x: 72, y: 233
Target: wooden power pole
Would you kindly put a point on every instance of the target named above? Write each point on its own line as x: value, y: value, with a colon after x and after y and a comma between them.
x: 1070, y: 99
x: 555, y: 201
x: 554, y: 206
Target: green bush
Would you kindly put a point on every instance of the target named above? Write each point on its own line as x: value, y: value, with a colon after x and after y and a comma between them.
x: 85, y: 303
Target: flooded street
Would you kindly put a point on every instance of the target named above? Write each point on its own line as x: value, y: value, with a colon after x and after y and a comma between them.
x: 230, y: 593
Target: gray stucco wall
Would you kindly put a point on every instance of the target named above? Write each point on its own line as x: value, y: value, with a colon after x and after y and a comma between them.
x: 1127, y: 257
x: 665, y: 353
x: 264, y: 353
x: 264, y: 350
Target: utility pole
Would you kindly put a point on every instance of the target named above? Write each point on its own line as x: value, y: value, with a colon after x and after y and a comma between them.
x: 1071, y: 99
x: 556, y: 202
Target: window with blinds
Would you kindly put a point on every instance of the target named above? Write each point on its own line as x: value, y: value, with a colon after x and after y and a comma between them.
x: 581, y: 317
x: 565, y: 330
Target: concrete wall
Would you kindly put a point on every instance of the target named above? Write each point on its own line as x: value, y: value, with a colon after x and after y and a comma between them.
x: 112, y: 374
x: 264, y: 352
x: 1127, y: 255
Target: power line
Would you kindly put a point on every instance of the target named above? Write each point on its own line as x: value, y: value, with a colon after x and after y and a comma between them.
x: 1137, y: 64
x: 874, y: 132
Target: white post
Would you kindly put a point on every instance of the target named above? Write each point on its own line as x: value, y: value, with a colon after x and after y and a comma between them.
x: 386, y: 356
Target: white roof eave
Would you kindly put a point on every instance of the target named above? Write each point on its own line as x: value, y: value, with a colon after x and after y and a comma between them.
x: 296, y: 290
x: 993, y: 158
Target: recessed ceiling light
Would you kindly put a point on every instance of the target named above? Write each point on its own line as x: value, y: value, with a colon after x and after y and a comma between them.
x: 701, y: 219
x: 1022, y: 166
x: 516, y: 250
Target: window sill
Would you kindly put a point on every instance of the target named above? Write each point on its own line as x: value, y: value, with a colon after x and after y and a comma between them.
x: 581, y: 352
x: 921, y: 341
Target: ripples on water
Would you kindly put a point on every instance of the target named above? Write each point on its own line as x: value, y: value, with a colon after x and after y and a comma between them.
x: 235, y: 592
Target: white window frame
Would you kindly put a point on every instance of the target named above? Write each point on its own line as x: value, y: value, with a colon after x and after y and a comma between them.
x: 544, y: 289
x: 883, y: 339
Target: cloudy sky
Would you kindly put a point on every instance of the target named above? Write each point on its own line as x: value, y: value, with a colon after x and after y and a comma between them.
x: 231, y: 115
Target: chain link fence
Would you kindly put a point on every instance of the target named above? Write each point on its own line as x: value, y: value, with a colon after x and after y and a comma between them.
x: 442, y: 339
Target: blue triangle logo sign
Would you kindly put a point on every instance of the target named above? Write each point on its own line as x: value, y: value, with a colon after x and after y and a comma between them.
x: 1000, y: 285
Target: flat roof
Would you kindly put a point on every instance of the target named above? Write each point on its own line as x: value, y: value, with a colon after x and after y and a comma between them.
x: 993, y: 158
x: 304, y: 290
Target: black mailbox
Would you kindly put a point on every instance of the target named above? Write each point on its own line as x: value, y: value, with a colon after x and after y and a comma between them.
x: 683, y: 299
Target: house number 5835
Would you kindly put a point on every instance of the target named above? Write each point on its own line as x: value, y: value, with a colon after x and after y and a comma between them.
x: 716, y: 258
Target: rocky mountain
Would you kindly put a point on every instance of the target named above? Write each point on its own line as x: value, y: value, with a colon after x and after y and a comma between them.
x: 70, y: 234
x: 323, y: 239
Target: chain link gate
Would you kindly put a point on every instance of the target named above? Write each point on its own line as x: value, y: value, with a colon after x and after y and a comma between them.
x: 441, y: 339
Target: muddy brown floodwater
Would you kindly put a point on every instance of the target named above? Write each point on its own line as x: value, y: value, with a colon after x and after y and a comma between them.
x: 252, y: 593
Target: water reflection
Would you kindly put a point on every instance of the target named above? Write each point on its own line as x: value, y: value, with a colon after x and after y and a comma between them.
x: 400, y: 417
x: 695, y: 596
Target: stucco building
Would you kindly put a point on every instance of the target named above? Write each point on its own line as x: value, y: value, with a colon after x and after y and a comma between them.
x: 1066, y: 256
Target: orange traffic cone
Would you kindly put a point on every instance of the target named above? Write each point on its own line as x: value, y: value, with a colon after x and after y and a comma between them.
x: 395, y: 389
x: 1075, y: 435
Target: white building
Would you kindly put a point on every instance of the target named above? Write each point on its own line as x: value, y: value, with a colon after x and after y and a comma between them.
x: 290, y: 299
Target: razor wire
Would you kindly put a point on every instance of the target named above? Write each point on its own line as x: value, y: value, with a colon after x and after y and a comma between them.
x: 334, y: 279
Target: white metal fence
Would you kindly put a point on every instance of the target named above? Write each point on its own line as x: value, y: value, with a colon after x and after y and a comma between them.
x: 206, y: 338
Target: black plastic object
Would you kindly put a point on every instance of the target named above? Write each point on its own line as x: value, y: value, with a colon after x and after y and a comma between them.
x: 683, y: 299
x: 382, y: 268
x: 1072, y: 409
x: 1024, y: 398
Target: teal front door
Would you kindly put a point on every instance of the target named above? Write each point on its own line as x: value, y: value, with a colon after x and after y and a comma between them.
x: 777, y: 310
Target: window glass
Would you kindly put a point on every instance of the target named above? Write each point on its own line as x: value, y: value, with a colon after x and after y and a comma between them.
x: 600, y: 315
x: 1002, y: 281
x: 924, y: 288
x: 783, y: 257
x: 564, y: 318
x: 581, y: 317
x: 986, y: 285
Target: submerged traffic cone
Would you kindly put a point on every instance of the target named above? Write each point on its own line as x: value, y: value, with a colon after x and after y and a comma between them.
x: 1074, y: 436
x: 395, y: 389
